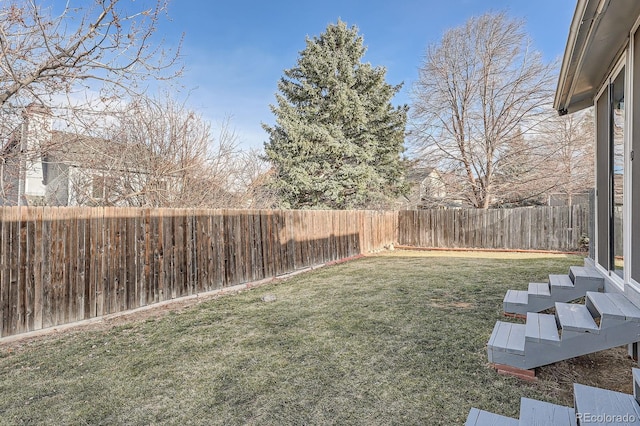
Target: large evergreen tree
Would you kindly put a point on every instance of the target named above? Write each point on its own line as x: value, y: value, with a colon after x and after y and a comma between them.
x: 337, y: 141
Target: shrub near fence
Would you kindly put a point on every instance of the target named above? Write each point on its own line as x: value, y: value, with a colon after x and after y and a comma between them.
x: 527, y: 228
x: 61, y: 265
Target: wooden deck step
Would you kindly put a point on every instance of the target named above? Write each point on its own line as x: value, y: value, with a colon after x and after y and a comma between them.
x: 516, y: 297
x: 575, y: 317
x: 507, y: 337
x: 541, y: 328
x: 540, y: 413
x: 612, y: 305
x: 484, y: 418
x: 586, y: 277
x: 539, y: 289
x: 612, y: 407
x: 560, y: 281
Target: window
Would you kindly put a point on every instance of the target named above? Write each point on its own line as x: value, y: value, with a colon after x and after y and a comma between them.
x: 617, y: 173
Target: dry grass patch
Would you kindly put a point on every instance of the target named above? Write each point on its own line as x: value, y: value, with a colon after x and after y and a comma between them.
x: 398, y: 338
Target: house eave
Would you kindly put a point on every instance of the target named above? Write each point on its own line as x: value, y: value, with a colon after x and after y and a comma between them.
x: 598, y: 34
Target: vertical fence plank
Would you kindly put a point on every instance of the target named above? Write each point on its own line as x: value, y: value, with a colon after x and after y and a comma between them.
x: 72, y: 251
x: 79, y: 263
x: 152, y: 257
x: 131, y: 255
x: 178, y: 258
x: 37, y: 249
x: 12, y: 318
x: 257, y: 246
x: 25, y: 285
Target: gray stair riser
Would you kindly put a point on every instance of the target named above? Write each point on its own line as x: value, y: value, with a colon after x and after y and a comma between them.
x: 613, y: 324
x: 566, y: 294
x: 590, y: 284
x: 538, y: 305
x: 560, y: 281
x: 511, y: 308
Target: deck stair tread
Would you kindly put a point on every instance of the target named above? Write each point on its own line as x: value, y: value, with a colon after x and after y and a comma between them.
x: 612, y: 305
x: 518, y: 297
x: 563, y: 281
x: 508, y: 337
x: 584, y: 272
x: 597, y: 402
x: 539, y: 289
x: 541, y: 328
x: 539, y: 413
x: 484, y: 418
x: 575, y: 317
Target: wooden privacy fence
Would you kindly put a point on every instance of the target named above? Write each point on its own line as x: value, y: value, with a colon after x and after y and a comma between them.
x: 527, y: 228
x: 61, y: 265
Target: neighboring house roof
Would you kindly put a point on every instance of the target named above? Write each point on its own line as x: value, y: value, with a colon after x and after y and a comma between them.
x: 418, y: 174
x: 595, y: 43
x: 95, y: 153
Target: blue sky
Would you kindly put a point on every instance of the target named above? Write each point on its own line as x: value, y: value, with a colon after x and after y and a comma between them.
x: 235, y: 51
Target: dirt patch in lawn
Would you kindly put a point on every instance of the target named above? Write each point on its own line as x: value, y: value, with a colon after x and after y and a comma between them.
x: 610, y: 369
x: 438, y: 303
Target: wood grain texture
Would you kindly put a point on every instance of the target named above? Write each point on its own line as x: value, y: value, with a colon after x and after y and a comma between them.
x: 60, y: 265
x: 535, y: 228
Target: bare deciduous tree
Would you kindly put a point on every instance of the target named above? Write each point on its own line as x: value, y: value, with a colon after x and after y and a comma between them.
x: 569, y: 142
x: 76, y: 59
x: 479, y: 90
x: 100, y: 41
x: 158, y: 153
x: 256, y: 179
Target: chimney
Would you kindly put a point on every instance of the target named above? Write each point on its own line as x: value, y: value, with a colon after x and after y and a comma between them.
x: 36, y: 130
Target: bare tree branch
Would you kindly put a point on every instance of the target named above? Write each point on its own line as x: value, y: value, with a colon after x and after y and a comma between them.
x: 42, y: 54
x: 478, y: 91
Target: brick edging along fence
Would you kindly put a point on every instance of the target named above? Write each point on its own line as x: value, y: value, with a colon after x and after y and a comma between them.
x: 62, y: 265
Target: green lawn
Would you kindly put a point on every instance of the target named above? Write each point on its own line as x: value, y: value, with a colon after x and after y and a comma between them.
x: 391, y: 339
